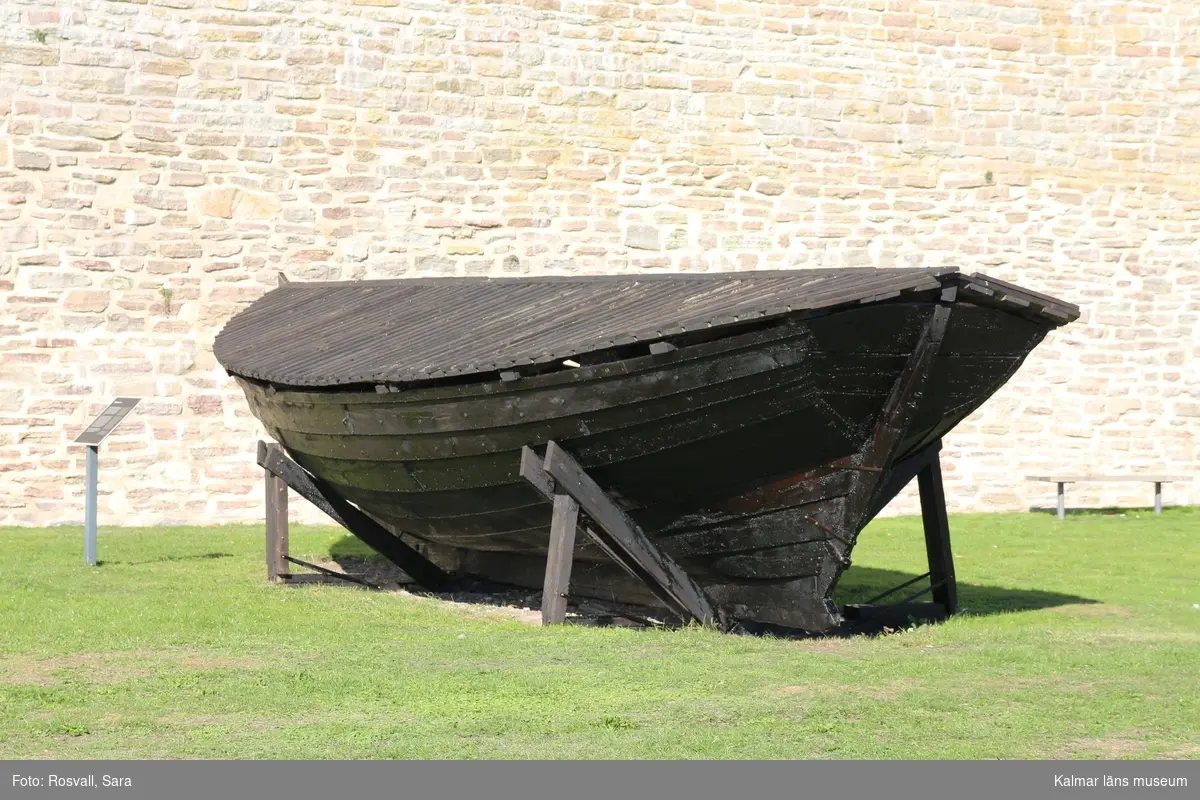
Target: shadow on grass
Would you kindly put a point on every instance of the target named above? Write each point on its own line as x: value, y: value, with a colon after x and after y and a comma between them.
x: 165, y: 559
x: 352, y: 547
x: 857, y: 585
x: 1108, y: 511
x: 860, y: 584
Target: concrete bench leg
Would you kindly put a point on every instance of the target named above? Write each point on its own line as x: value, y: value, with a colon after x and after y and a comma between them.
x: 1062, y: 501
x: 1157, y: 497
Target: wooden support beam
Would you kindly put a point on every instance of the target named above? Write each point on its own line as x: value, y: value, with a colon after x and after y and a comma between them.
x: 378, y: 538
x: 624, y: 541
x: 897, y: 413
x: 277, y: 524
x: 901, y: 474
x: 534, y: 472
x: 558, y: 560
x: 937, y: 536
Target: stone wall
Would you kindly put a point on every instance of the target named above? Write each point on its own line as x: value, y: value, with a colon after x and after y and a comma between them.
x: 161, y: 162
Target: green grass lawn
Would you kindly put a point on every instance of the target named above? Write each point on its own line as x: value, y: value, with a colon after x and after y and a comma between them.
x: 1081, y: 640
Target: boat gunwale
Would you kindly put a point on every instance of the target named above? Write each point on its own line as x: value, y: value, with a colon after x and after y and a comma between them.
x: 762, y: 332
x: 978, y: 287
x: 777, y: 330
x: 930, y: 280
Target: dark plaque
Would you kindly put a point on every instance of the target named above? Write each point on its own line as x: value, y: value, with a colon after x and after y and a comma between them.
x: 109, y: 419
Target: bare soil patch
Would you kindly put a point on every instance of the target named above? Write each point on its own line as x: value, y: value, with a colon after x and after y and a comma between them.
x: 482, y: 599
x: 1122, y: 745
x: 112, y: 667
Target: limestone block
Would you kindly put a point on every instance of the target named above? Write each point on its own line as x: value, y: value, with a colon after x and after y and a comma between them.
x: 232, y: 203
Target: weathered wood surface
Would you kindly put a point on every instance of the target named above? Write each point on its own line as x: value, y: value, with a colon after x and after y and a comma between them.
x: 734, y: 465
x: 907, y: 392
x: 901, y: 474
x: 787, y: 561
x: 277, y: 522
x: 374, y: 535
x: 561, y: 554
x: 788, y: 526
x: 399, y: 330
x: 796, y: 603
x: 625, y: 542
x: 604, y: 387
x: 374, y: 468
x: 533, y: 470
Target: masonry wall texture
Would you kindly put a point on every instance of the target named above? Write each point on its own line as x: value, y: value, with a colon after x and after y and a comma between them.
x: 162, y: 161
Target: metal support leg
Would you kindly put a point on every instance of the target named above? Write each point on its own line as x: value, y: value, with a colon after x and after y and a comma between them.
x: 1062, y: 502
x: 1157, y: 497
x: 89, y: 517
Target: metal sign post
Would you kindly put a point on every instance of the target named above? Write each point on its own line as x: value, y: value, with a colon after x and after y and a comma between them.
x: 96, y: 432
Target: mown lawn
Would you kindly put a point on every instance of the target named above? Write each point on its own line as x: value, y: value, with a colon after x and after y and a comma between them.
x: 1082, y: 640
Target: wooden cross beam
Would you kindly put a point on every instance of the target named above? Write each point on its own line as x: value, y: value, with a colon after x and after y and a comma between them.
x: 320, y: 494
x: 612, y: 530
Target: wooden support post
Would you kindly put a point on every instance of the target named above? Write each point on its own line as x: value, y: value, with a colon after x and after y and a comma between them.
x: 618, y: 535
x: 374, y: 535
x: 277, y: 524
x: 558, y: 560
x: 937, y: 536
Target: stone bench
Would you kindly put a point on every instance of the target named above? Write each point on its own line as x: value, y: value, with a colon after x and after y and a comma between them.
x: 1157, y: 480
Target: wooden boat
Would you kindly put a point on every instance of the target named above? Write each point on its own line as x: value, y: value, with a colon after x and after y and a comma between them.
x: 749, y: 423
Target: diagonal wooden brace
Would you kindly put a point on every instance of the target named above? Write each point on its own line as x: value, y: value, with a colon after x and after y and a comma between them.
x: 897, y: 414
x: 616, y: 534
x: 901, y: 474
x: 881, y: 479
x: 378, y: 538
